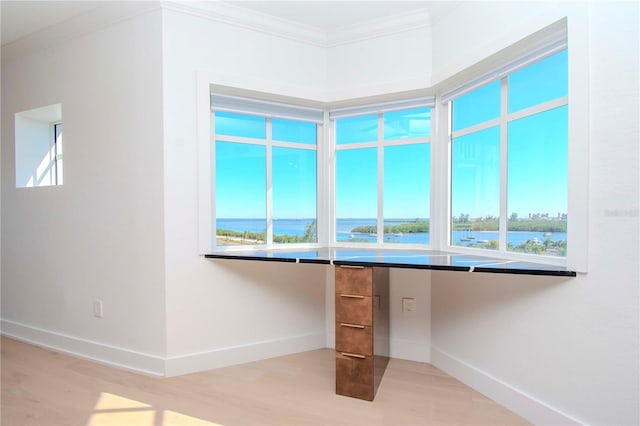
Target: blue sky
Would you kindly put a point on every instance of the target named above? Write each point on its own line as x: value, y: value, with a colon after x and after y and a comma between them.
x: 537, y: 146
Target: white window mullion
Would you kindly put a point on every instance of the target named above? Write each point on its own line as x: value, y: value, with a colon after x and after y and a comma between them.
x: 324, y: 171
x: 477, y: 127
x: 539, y: 108
x: 504, y: 130
x: 439, y: 217
x: 380, y: 221
x: 330, y: 157
x: 294, y: 145
x: 408, y: 141
x: 357, y: 145
x: 238, y: 139
x: 269, y: 156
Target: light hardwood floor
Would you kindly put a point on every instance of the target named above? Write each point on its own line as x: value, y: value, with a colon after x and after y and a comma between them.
x: 42, y: 387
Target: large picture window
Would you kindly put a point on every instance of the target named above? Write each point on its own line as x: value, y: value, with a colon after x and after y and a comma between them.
x: 265, y: 177
x: 509, y: 144
x: 500, y: 181
x: 383, y: 179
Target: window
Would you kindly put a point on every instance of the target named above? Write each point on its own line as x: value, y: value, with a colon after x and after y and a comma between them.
x: 382, y: 176
x: 509, y: 161
x: 265, y: 190
x: 38, y: 147
x: 270, y: 174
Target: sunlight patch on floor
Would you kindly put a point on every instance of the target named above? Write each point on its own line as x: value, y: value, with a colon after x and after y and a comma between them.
x: 116, y: 410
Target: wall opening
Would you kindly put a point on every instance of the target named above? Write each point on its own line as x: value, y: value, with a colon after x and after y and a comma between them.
x: 38, y: 147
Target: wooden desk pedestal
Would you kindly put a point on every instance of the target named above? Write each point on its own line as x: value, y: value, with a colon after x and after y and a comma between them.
x: 362, y: 329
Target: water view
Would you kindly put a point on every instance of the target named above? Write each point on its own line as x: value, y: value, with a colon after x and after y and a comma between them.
x: 402, y: 231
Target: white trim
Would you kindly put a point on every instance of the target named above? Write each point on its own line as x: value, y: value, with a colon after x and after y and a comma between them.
x: 205, y: 161
x: 238, y: 16
x: 232, y: 355
x: 578, y: 177
x: 139, y: 362
x: 424, y: 102
x: 532, y: 409
x: 381, y: 27
x: 269, y: 109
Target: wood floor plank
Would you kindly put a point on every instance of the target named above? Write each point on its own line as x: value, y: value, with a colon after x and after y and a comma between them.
x: 41, y: 387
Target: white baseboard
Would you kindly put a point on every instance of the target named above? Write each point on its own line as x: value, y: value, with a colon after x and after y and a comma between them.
x: 189, y: 363
x: 154, y: 365
x: 138, y: 362
x: 515, y: 400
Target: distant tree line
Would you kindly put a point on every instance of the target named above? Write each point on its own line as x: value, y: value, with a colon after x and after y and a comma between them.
x: 418, y: 226
x: 491, y: 224
x: 310, y: 235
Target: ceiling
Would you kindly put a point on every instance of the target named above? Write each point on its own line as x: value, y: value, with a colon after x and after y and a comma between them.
x: 21, y: 18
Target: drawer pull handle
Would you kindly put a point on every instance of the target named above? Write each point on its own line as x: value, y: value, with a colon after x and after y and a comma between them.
x: 351, y: 266
x: 352, y: 326
x: 352, y: 296
x: 353, y: 355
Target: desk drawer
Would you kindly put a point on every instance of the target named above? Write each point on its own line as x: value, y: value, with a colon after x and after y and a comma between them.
x: 354, y: 309
x: 354, y: 376
x: 353, y: 338
x: 354, y: 281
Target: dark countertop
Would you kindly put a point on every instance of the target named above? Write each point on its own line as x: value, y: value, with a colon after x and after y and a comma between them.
x: 395, y: 258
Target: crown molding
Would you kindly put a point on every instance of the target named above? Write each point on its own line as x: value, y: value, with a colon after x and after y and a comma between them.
x: 112, y: 12
x: 382, y: 27
x: 100, y: 17
x: 226, y: 13
x: 238, y: 16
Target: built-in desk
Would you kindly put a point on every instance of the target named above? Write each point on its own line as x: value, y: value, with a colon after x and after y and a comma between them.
x: 362, y: 299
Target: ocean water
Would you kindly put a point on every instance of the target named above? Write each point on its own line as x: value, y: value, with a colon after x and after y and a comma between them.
x: 344, y: 232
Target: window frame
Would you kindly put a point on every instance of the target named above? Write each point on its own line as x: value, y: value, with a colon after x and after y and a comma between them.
x: 57, y: 150
x: 379, y: 144
x: 502, y: 123
x: 505, y: 117
x: 269, y: 111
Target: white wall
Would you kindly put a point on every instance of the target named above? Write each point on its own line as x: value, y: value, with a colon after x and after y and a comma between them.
x: 558, y: 350
x: 100, y: 235
x: 381, y: 65
x: 224, y: 312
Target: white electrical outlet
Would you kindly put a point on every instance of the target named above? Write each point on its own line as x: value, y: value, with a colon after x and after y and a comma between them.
x: 408, y: 304
x: 98, y: 311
